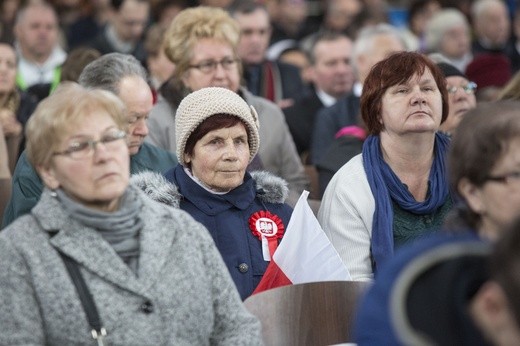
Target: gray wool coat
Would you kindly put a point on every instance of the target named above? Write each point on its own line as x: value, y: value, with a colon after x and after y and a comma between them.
x: 182, y: 295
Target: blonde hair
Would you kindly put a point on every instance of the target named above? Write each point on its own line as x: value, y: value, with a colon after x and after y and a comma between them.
x: 60, y: 112
x: 193, y: 24
x: 511, y: 91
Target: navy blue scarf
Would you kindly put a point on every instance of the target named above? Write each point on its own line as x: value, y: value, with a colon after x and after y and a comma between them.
x: 385, y: 185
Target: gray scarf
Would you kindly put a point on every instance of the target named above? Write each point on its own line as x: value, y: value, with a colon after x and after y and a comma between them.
x: 119, y: 228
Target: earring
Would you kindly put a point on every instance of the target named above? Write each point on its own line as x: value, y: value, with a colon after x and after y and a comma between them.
x: 53, y: 193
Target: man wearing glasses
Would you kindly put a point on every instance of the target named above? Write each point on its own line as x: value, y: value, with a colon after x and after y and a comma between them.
x: 123, y: 75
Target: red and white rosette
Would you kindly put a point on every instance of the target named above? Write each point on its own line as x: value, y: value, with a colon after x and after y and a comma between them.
x: 267, y: 227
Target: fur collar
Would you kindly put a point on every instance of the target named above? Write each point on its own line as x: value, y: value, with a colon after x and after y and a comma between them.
x: 269, y: 188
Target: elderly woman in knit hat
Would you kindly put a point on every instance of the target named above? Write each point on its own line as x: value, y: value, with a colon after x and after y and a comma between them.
x: 461, y: 96
x: 202, y: 43
x: 217, y: 137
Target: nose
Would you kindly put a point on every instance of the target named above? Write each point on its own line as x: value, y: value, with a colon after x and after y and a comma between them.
x: 418, y: 97
x: 140, y: 129
x: 220, y: 71
x: 230, y: 153
x: 101, y: 153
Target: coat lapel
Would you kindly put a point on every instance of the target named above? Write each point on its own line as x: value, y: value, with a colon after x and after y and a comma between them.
x: 87, y: 247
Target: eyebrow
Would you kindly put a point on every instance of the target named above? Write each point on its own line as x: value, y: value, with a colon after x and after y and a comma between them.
x: 85, y: 135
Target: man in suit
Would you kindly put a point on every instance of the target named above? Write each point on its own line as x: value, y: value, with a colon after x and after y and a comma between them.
x: 373, y: 44
x: 276, y: 81
x: 332, y: 78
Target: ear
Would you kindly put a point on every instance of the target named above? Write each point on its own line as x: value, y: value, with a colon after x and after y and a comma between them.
x: 185, y: 79
x: 187, y: 158
x: 490, y: 311
x: 311, y: 73
x: 472, y: 194
x: 48, y: 176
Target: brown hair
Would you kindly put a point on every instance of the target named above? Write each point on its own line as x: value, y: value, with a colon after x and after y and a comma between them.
x: 481, y: 139
x: 398, y: 68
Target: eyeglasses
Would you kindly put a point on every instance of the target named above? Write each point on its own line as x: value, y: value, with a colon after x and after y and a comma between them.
x: 469, y: 88
x: 505, y: 178
x: 82, y: 149
x: 211, y: 65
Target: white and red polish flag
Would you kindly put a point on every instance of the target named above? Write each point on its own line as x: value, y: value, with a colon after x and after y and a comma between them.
x: 304, y: 254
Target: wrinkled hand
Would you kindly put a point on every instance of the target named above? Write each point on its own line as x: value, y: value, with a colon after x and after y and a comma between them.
x: 10, y: 124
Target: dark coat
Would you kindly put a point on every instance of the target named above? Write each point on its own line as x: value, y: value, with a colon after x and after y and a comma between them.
x: 226, y: 216
x: 300, y: 118
x: 103, y: 45
x: 329, y: 121
x: 286, y: 80
x: 423, y: 293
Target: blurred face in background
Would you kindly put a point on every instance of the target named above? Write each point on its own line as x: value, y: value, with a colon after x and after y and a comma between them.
x: 461, y: 99
x: 213, y: 64
x: 131, y: 19
x: 137, y: 97
x: 37, y: 33
x: 456, y: 42
x: 493, y: 24
x: 255, y: 35
x: 7, y: 69
x: 332, y: 71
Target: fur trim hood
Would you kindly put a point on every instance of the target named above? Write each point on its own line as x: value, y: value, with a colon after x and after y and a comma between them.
x: 269, y: 188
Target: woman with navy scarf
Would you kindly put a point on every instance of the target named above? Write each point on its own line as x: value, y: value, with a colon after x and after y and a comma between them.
x: 397, y: 189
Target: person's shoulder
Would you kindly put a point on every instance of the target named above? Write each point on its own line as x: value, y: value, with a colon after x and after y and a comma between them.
x: 153, y: 158
x: 24, y: 169
x: 24, y: 230
x: 353, y: 167
x: 383, y: 306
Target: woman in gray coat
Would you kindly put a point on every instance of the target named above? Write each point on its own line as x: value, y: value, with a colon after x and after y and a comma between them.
x: 154, y: 274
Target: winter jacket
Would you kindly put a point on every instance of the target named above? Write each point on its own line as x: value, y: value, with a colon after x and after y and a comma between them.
x: 226, y: 216
x: 182, y: 293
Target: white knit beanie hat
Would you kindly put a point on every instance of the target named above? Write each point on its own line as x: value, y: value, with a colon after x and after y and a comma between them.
x: 202, y: 104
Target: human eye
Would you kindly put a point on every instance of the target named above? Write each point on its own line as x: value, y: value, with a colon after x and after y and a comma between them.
x: 207, y: 66
x: 514, y: 175
x: 132, y: 119
x: 227, y: 62
x: 112, y: 136
x: 215, y: 141
x: 78, y: 146
x: 240, y: 140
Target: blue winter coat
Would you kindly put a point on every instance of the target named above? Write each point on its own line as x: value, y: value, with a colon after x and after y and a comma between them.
x: 227, y: 218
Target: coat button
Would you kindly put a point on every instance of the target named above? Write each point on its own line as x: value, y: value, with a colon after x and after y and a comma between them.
x: 147, y: 307
x: 243, y: 267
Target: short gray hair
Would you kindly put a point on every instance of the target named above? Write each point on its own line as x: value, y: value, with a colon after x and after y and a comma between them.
x: 107, y: 71
x: 439, y: 24
x: 365, y: 38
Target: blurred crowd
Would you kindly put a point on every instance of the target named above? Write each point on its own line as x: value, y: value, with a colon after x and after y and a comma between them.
x: 230, y: 109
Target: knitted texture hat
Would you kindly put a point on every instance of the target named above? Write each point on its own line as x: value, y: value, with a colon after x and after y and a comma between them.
x: 489, y: 69
x: 202, y: 104
x: 449, y: 70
